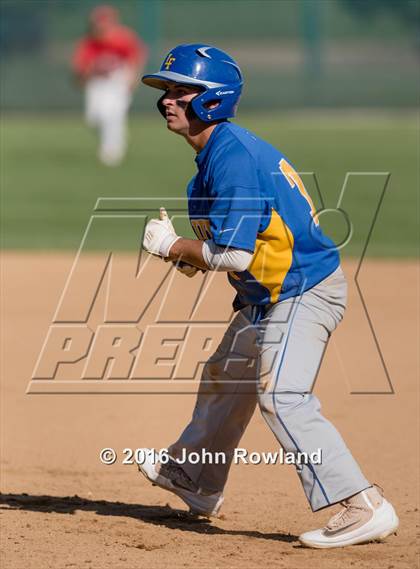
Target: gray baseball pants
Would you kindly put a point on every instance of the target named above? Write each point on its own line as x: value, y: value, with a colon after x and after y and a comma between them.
x: 274, y: 362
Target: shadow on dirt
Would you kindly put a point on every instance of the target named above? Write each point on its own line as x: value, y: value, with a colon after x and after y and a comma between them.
x: 158, y: 515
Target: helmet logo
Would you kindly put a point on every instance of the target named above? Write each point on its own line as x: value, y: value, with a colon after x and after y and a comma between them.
x: 169, y: 60
x: 218, y: 93
x: 203, y: 51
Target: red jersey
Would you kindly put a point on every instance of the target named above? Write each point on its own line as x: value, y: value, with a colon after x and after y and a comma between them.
x: 101, y: 55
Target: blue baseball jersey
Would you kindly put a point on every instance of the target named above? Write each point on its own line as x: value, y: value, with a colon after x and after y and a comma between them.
x: 247, y: 195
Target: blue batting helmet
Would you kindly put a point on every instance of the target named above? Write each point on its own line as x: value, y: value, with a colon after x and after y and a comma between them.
x: 207, y: 67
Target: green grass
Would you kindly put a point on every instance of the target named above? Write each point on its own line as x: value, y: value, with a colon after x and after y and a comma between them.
x: 50, y: 179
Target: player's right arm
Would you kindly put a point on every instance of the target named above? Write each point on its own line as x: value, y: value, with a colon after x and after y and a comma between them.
x: 137, y: 53
x: 82, y: 61
x: 189, y: 255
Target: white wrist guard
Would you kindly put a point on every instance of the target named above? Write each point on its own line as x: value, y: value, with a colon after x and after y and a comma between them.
x: 225, y: 258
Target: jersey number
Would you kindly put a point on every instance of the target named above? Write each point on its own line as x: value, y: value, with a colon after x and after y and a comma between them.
x: 294, y: 180
x: 201, y: 228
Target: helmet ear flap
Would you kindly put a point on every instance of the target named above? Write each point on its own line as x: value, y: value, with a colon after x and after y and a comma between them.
x: 227, y: 103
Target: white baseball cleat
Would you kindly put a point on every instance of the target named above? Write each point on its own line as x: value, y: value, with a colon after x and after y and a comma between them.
x: 170, y: 476
x: 367, y: 516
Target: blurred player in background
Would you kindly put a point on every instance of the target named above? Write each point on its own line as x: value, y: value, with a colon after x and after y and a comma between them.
x: 107, y: 61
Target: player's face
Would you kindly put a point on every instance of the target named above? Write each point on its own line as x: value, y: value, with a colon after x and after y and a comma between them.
x: 176, y: 101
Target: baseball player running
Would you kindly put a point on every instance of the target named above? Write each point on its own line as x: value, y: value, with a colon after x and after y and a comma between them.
x: 107, y: 62
x: 254, y: 220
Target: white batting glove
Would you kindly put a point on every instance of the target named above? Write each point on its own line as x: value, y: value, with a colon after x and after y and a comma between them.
x: 159, y: 235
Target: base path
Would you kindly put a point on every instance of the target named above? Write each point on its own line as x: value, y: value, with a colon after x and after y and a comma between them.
x: 61, y: 508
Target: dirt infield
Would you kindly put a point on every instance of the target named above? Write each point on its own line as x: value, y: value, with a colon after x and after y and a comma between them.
x: 60, y: 507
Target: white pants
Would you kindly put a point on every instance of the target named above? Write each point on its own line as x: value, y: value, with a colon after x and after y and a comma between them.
x: 107, y: 100
x: 285, y: 349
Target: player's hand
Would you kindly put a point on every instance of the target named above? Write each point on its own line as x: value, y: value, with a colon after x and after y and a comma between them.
x: 186, y: 269
x: 159, y: 235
